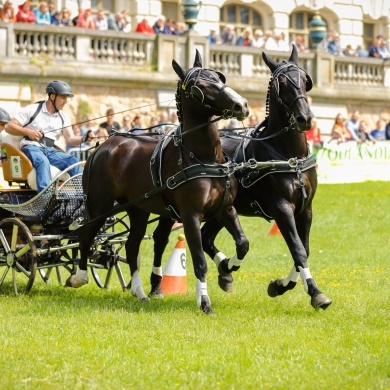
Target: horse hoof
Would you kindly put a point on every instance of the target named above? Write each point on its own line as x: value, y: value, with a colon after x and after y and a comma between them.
x: 272, y: 289
x: 75, y: 281
x: 156, y: 292
x: 225, y: 282
x: 139, y: 293
x: 320, y: 302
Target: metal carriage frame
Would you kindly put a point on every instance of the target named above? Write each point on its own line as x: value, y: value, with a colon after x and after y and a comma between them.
x: 38, y: 234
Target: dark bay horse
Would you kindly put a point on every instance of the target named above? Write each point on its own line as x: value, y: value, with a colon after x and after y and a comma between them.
x: 184, y: 175
x: 282, y: 181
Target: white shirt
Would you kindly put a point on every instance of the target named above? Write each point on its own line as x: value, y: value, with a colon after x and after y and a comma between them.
x: 49, y: 124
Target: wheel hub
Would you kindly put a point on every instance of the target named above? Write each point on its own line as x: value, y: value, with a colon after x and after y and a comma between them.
x: 10, y: 259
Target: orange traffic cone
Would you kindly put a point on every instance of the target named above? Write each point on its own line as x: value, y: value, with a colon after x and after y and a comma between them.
x: 274, y: 231
x: 174, y: 279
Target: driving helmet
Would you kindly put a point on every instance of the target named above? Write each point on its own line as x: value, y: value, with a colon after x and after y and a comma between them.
x: 4, y: 116
x: 59, y: 88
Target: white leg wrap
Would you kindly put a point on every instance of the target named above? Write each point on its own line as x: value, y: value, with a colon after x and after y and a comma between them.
x: 293, y: 276
x: 201, y: 289
x: 157, y: 271
x: 305, y: 274
x: 79, y: 279
x: 234, y: 261
x: 136, y: 287
x: 218, y: 258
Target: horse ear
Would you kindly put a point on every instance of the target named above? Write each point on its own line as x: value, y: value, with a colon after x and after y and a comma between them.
x: 198, y: 60
x: 270, y: 62
x: 294, y: 55
x: 178, y: 69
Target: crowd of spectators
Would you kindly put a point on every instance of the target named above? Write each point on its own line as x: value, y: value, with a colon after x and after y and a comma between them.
x: 356, y: 129
x: 46, y: 14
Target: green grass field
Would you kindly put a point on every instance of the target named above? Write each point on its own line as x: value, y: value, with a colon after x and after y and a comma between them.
x: 58, y: 338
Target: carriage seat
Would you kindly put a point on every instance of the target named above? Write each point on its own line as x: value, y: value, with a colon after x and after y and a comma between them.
x: 17, y: 168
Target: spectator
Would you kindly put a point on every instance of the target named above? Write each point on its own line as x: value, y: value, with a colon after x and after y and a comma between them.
x: 144, y: 27
x: 88, y: 125
x: 175, y: 118
x: 269, y: 41
x: 245, y: 39
x: 258, y: 38
x: 76, y: 18
x: 101, y: 22
x: 374, y: 49
x: 42, y: 14
x: 181, y: 27
x: 7, y: 13
x: 379, y: 133
x: 353, y: 125
x: 110, y: 125
x: 52, y: 7
x: 213, y: 37
x: 160, y: 27
x: 348, y: 52
x: 361, y: 51
x: 363, y: 133
x: 300, y: 44
x: 339, y: 130
x: 171, y: 23
x: 253, y: 122
x: 66, y: 18
x: 25, y: 13
x: 232, y: 125
x: 228, y: 36
x: 163, y: 122
x: 85, y: 20
x: 314, y: 134
x: 387, y: 132
x: 334, y: 46
x: 56, y: 19
x: 137, y: 126
x: 40, y: 134
x: 383, y: 50
x: 126, y: 124
x: 116, y: 22
x: 126, y: 21
x: 281, y: 44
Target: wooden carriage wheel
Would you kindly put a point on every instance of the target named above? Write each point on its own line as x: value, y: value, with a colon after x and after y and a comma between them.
x: 17, y: 254
x: 108, y: 257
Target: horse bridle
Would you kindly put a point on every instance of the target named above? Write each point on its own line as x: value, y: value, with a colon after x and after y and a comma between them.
x: 274, y: 81
x: 196, y: 94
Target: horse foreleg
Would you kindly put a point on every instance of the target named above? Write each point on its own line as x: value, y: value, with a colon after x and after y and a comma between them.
x: 194, y: 240
x: 161, y: 238
x: 138, y: 224
x: 229, y: 219
x: 209, y: 232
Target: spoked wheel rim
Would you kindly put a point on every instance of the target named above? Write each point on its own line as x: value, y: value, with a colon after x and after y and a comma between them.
x: 107, y: 261
x: 68, y: 259
x: 18, y: 255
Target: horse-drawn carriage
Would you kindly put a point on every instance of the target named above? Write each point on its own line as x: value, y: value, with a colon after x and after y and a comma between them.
x: 38, y: 234
x: 186, y: 175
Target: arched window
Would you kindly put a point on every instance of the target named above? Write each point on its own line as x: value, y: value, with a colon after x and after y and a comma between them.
x: 299, y: 25
x: 241, y: 17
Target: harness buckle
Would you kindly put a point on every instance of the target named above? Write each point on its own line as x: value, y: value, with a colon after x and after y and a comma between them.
x: 252, y: 163
x: 292, y: 162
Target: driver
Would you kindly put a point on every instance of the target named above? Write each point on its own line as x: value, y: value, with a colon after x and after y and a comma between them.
x: 40, y: 125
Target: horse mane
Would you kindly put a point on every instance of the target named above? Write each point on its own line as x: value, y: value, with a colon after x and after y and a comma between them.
x: 178, y: 102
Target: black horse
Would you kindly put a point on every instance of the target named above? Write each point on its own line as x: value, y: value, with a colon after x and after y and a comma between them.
x: 181, y: 176
x: 278, y: 180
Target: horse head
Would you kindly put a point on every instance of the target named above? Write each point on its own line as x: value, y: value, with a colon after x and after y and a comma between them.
x: 288, y: 86
x: 207, y: 93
